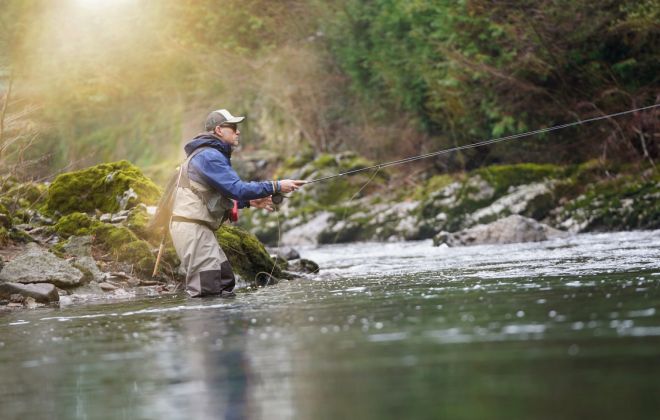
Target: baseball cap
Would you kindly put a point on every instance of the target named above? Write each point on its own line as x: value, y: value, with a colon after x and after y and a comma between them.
x: 219, y: 117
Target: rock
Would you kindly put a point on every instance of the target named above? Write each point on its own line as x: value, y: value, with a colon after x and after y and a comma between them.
x: 108, y: 187
x: 31, y: 303
x: 478, y: 189
x: 511, y: 229
x: 308, y: 233
x: 287, y: 253
x: 40, y: 292
x: 37, y: 265
x: 105, y: 217
x: 515, y: 202
x: 107, y: 287
x: 304, y: 266
x: 88, y: 264
x: 80, y: 246
x: 16, y: 297
x: 118, y: 219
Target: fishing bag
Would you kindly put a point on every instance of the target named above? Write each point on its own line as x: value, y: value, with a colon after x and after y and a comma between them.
x: 160, y: 222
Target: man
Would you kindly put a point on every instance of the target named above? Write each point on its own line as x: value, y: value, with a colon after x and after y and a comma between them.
x: 209, y: 188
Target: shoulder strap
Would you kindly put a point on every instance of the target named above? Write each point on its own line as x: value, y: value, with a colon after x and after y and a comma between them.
x: 184, y: 180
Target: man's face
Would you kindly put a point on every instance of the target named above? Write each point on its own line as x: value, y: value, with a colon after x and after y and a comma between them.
x: 229, y: 133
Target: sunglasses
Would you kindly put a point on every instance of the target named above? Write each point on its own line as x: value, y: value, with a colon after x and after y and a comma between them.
x: 230, y: 125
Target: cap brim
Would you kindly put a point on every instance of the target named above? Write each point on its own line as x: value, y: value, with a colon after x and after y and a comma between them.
x: 235, y: 120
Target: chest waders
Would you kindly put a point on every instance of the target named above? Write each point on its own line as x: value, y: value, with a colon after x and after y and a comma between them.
x: 198, y: 211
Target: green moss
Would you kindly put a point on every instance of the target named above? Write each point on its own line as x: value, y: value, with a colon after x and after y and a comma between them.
x: 435, y: 183
x: 501, y: 177
x: 246, y: 254
x: 622, y: 203
x: 28, y: 193
x: 77, y: 224
x: 18, y: 235
x: 119, y: 240
x: 138, y: 221
x: 114, y: 237
x: 325, y: 161
x: 139, y: 253
x: 58, y: 248
x: 99, y: 187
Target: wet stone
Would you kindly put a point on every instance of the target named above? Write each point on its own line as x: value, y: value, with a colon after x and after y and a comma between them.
x: 40, y: 292
x: 107, y: 287
x: 304, y: 266
x: 37, y: 265
x: 288, y: 253
x: 80, y: 246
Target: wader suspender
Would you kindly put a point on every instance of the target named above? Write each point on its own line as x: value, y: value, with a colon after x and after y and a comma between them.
x: 184, y: 182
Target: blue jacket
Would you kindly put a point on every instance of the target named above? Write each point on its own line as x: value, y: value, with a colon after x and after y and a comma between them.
x: 212, y: 167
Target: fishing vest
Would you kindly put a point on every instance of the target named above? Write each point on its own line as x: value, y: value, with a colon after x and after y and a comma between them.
x: 198, y: 202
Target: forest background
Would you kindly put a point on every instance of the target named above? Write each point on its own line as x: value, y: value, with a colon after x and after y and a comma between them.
x: 90, y: 81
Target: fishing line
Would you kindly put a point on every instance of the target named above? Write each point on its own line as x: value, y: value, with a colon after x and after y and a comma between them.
x: 483, y: 143
x: 279, y: 240
x: 343, y: 217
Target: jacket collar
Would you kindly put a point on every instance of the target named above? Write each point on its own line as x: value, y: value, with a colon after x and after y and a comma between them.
x: 208, y: 140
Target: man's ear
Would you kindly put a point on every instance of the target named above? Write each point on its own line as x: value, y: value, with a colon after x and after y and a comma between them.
x: 218, y: 131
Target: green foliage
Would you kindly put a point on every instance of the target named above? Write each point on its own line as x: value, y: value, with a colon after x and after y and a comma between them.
x: 100, y: 187
x: 480, y: 69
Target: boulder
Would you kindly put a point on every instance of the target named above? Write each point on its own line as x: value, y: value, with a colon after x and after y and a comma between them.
x: 304, y: 266
x: 37, y: 265
x: 41, y: 292
x: 108, y: 187
x: 511, y: 229
x: 308, y: 233
x: 516, y: 201
x: 287, y: 253
x: 80, y: 246
x: 88, y: 266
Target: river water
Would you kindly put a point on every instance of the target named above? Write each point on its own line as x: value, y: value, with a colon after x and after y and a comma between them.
x: 568, y: 328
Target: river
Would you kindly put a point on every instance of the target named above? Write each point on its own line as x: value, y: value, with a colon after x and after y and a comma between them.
x: 568, y: 328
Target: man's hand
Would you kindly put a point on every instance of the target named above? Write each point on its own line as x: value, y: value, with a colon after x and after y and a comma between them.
x: 289, y: 185
x: 263, y: 203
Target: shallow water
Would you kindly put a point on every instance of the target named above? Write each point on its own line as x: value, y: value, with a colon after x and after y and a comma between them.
x: 561, y: 329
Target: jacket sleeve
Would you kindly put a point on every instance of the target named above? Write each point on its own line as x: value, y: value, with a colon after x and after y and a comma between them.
x: 215, y: 170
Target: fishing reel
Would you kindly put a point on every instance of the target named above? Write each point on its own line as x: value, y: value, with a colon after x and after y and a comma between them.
x: 278, y: 198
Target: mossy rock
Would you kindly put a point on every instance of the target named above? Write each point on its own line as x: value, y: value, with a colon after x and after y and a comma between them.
x: 101, y: 187
x: 622, y: 203
x: 501, y: 177
x: 76, y: 224
x: 247, y: 255
x: 139, y: 253
x: 138, y: 222
x: 119, y: 240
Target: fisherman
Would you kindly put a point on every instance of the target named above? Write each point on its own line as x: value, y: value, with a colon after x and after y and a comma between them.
x: 207, y: 192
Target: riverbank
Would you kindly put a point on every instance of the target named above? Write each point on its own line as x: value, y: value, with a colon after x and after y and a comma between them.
x: 390, y: 207
x: 85, y: 237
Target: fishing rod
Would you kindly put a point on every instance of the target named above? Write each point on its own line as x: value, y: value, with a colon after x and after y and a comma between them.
x: 279, y: 197
x: 481, y: 143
